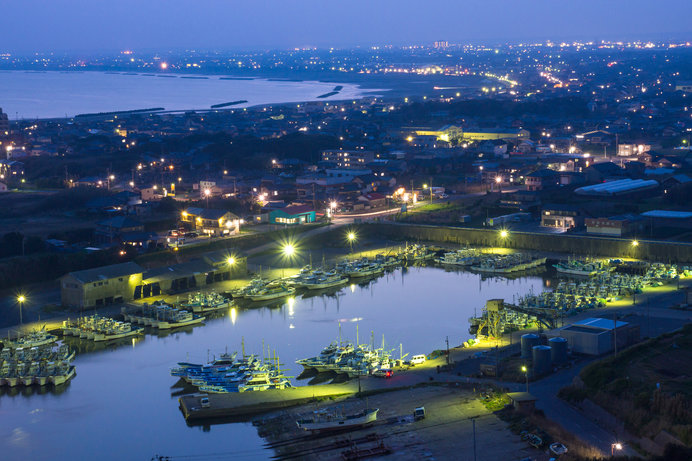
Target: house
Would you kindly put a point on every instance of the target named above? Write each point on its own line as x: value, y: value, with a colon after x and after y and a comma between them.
x: 493, y: 146
x: 374, y: 200
x: 292, y: 215
x: 100, y: 286
x: 676, y: 180
x: 542, y: 179
x: 210, y: 221
x: 112, y: 230
x: 562, y: 216
x: 595, y: 137
x: 599, y: 172
x: 614, y: 226
x: 11, y: 169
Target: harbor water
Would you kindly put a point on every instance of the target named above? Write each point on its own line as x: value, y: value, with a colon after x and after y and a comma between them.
x: 121, y: 404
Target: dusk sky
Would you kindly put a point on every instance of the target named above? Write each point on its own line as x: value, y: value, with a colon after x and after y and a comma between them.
x: 94, y: 25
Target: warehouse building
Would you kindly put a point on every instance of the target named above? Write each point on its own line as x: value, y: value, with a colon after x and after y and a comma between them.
x: 597, y: 336
x: 125, y: 282
x: 101, y: 286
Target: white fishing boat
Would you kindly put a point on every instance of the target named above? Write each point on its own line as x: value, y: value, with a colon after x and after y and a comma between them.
x: 326, y: 421
x: 328, y: 280
x: 271, y: 292
x: 160, y: 315
x: 36, y: 337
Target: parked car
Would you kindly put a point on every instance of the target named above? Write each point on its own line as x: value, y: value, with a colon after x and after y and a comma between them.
x: 382, y: 373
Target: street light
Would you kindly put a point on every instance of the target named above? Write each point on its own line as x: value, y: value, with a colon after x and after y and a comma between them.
x: 230, y: 260
x: 615, y: 446
x: 635, y: 243
x: 504, y: 234
x: 526, y: 372
x: 289, y: 250
x: 351, y: 236
x: 20, y: 300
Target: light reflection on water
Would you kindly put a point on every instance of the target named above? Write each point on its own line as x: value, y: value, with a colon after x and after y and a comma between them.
x: 120, y: 405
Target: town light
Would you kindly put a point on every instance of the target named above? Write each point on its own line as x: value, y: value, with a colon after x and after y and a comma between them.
x: 289, y: 250
x: 635, y: 243
x: 332, y: 205
x: 21, y: 298
x: 498, y: 179
x: 230, y: 260
x: 351, y: 236
x: 207, y: 192
x: 504, y: 233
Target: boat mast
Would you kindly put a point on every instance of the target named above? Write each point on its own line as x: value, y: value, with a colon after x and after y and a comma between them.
x: 357, y: 338
x: 242, y: 345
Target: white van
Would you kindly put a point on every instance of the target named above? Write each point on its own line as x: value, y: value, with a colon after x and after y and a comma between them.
x: 417, y: 359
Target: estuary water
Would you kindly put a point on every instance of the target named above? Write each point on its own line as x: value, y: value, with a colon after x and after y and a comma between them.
x: 121, y: 405
x: 31, y: 95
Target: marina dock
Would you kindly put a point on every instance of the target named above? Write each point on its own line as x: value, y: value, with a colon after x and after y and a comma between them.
x: 229, y: 405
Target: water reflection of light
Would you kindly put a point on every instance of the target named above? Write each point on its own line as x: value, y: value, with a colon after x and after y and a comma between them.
x: 353, y: 288
x: 291, y: 326
x: 291, y: 302
x: 234, y: 314
x: 133, y: 343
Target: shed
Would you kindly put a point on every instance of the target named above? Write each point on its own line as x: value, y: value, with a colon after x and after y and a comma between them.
x: 522, y: 401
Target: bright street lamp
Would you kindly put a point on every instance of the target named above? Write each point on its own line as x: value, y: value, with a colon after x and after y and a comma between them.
x: 526, y: 372
x: 289, y: 250
x: 615, y: 446
x: 20, y: 300
x: 635, y: 243
x: 504, y: 234
x: 230, y: 260
x: 351, y: 236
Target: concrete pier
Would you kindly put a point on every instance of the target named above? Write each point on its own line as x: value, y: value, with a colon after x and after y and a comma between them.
x: 238, y: 404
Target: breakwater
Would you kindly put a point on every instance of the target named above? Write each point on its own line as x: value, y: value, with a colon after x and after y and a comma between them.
x: 654, y: 250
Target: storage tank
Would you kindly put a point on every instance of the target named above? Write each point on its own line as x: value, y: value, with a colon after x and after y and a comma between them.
x: 527, y: 342
x: 558, y: 350
x: 541, y: 360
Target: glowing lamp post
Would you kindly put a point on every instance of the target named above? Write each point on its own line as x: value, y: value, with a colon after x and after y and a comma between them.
x: 20, y: 300
x: 617, y: 446
x: 525, y: 370
x: 230, y: 260
x: 289, y: 250
x: 351, y: 236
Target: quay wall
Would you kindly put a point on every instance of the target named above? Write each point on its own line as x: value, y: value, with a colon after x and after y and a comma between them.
x: 653, y: 250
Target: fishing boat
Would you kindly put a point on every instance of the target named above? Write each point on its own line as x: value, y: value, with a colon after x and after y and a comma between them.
x: 201, y: 302
x: 558, y: 449
x: 328, y: 280
x: 360, y: 270
x: 36, y: 337
x: 96, y: 328
x: 581, y: 268
x: 160, y: 315
x: 270, y: 292
x: 326, y: 421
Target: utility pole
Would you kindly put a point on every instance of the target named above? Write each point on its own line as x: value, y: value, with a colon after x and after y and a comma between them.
x: 447, y: 341
x: 473, y: 420
x: 615, y: 334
